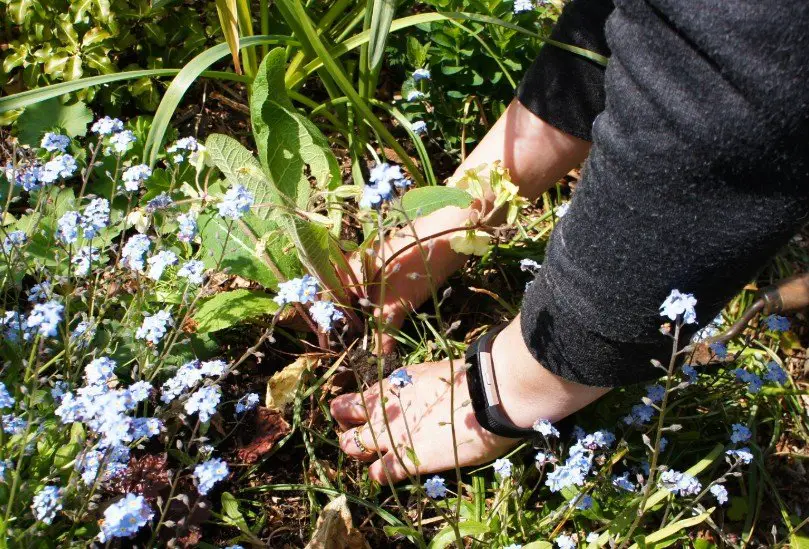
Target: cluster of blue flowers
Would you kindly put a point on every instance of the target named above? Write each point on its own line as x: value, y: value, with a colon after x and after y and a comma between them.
x: 46, y: 503
x: 182, y: 146
x: 236, y: 202
x: 383, y: 179
x: 105, y: 410
x: 247, y: 403
x: 325, y: 314
x: 297, y: 290
x: 579, y: 462
x: 189, y: 375
x: 680, y: 305
x: 96, y: 216
x: 154, y: 327
x: 209, y: 473
x: 134, y: 176
x: 125, y: 517
x: 774, y: 374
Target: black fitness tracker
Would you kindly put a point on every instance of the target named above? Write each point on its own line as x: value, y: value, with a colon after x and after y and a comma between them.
x: 483, y: 389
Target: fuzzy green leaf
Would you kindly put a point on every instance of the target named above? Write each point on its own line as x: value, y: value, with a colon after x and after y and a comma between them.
x: 239, y: 251
x: 227, y: 309
x: 240, y: 167
x: 426, y: 200
x: 290, y: 146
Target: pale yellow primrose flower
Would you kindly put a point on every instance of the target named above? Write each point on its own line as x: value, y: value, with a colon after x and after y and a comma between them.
x: 470, y: 242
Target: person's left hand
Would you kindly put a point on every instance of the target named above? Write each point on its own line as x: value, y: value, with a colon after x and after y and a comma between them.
x: 419, y: 418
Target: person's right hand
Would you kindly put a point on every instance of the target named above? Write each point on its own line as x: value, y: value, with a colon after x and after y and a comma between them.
x: 407, y: 283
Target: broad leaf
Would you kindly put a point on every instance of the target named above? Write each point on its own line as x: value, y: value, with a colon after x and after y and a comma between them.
x: 290, y: 146
x: 240, y: 167
x: 426, y: 200
x: 71, y: 120
x: 229, y: 246
x: 447, y: 534
x: 312, y: 242
x: 227, y: 309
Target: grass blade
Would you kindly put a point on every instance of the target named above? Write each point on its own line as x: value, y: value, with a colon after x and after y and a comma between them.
x: 23, y: 99
x: 347, y: 88
x: 381, y: 19
x: 226, y: 10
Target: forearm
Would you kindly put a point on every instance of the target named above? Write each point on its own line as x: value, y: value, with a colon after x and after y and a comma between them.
x: 536, y: 154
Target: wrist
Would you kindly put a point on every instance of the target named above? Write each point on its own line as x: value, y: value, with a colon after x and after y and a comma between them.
x: 527, y: 390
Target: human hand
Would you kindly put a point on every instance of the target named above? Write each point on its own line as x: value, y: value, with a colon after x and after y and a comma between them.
x: 419, y: 412
x: 419, y: 416
x: 408, y: 279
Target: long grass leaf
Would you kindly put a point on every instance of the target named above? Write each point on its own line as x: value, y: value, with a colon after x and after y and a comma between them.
x: 405, y: 22
x: 381, y: 19
x: 347, y: 88
x: 384, y: 515
x: 226, y: 10
x: 30, y: 97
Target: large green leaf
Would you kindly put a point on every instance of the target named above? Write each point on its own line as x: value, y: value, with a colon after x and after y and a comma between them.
x: 229, y: 246
x: 426, y: 200
x: 312, y: 242
x: 289, y: 144
x: 187, y: 76
x: 227, y: 309
x: 240, y: 167
x: 466, y: 528
x: 52, y: 114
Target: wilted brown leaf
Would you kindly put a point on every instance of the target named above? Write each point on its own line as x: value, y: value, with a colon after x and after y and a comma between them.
x: 147, y: 475
x: 335, y: 530
x: 270, y: 427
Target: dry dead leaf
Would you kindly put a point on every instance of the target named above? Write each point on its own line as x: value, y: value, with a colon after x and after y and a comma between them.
x: 281, y: 386
x: 270, y: 427
x: 335, y: 530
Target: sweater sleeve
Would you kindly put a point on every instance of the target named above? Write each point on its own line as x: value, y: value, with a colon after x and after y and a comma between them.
x: 695, y: 179
x: 565, y: 89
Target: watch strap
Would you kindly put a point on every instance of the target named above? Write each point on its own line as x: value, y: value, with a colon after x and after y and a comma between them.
x: 489, y: 414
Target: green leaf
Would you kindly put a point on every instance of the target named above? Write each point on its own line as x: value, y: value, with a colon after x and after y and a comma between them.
x: 538, y: 545
x: 738, y: 508
x: 673, y: 529
x: 381, y: 19
x: 226, y: 10
x: 288, y: 142
x: 312, y: 242
x: 52, y: 114
x: 227, y: 309
x: 240, y: 252
x: 230, y: 508
x: 240, y: 167
x: 426, y: 200
x: 447, y: 534
x: 189, y: 73
x: 66, y: 453
x: 31, y: 97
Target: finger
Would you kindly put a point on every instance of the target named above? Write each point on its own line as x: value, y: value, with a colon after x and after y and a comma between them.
x: 392, y: 468
x: 355, y: 408
x: 363, y: 444
x: 392, y: 317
